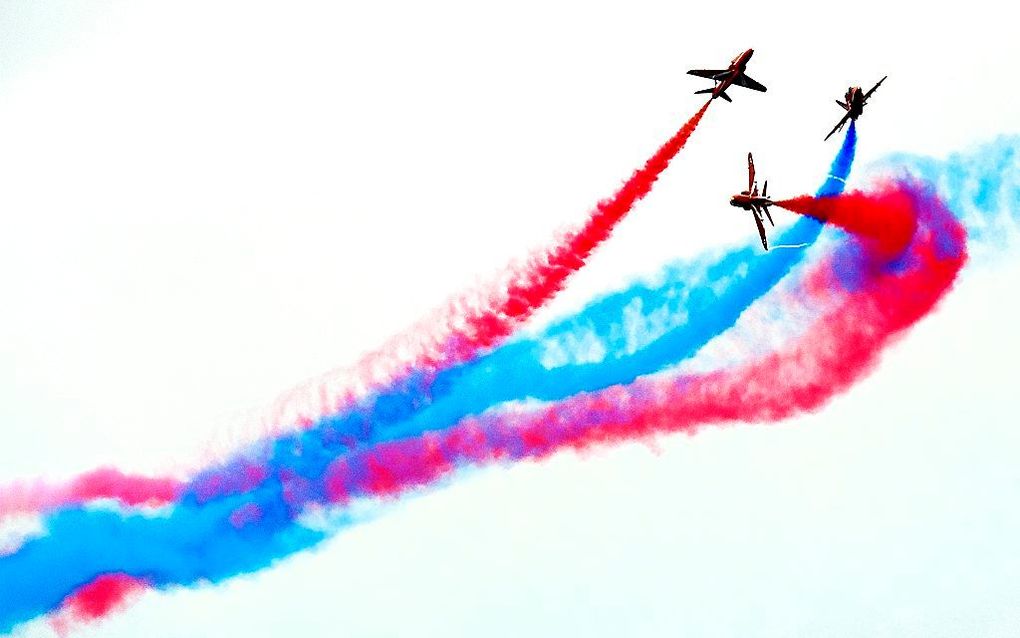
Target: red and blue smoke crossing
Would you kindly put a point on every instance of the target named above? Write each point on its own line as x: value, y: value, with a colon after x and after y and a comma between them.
x: 473, y: 394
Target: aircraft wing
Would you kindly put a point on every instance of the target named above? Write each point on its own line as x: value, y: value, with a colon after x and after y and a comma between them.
x: 868, y: 94
x: 761, y: 231
x: 749, y: 83
x: 711, y: 74
x: 838, y: 126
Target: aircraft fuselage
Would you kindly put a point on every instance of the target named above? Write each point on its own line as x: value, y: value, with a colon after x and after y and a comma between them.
x: 736, y: 69
x: 748, y: 201
x: 855, y: 100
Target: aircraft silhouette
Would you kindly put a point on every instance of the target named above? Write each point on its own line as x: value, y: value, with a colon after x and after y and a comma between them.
x: 730, y: 76
x: 854, y: 105
x: 751, y: 201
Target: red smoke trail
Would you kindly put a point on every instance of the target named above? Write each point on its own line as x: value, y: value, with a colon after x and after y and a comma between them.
x: 840, y: 348
x: 548, y: 273
x: 101, y: 483
x: 885, y: 217
x: 481, y: 319
x: 95, y: 600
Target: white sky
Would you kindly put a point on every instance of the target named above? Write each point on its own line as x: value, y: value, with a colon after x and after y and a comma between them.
x: 204, y: 203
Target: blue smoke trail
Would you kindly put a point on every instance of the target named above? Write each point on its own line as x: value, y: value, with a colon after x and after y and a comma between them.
x: 196, y: 541
x: 189, y: 545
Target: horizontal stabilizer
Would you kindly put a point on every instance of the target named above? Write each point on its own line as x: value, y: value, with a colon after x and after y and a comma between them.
x: 845, y: 107
x: 703, y: 91
x: 725, y: 97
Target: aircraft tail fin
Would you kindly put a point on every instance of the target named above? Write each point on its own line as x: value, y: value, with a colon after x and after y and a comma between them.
x: 765, y: 189
x: 725, y: 97
x: 769, y: 215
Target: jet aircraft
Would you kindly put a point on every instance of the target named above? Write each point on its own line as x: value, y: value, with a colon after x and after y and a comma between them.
x: 725, y: 78
x: 854, y: 105
x: 751, y: 201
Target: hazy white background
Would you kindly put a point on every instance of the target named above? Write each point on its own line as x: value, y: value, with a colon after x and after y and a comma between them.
x: 204, y: 203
